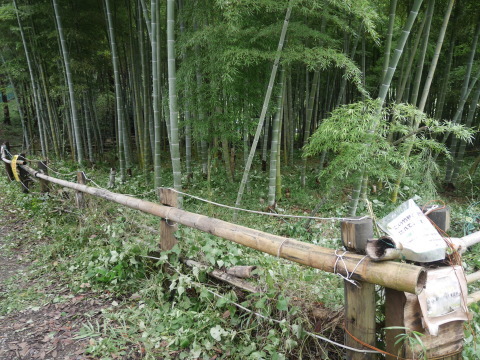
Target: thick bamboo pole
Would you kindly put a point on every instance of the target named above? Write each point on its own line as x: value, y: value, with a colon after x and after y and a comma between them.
x: 394, y: 275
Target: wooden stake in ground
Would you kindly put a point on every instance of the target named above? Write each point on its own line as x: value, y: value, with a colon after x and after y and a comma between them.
x: 359, y: 295
x: 79, y: 197
x: 168, y: 197
x: 42, y: 167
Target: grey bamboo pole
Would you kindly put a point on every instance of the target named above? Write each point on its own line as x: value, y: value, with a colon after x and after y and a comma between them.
x: 468, y: 122
x: 71, y: 90
x: 423, y: 51
x: 274, y: 144
x: 118, y: 91
x: 268, y: 94
x: 38, y: 113
x: 466, y: 88
x: 426, y: 89
x: 436, y: 56
x: 146, y: 17
x: 308, y: 121
x: 156, y: 94
x: 388, y: 40
x: 172, y: 97
x: 411, y: 59
x: 26, y: 138
x: 385, y: 86
x: 394, y: 275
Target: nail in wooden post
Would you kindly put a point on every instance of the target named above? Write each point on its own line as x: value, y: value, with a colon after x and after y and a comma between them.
x: 359, y: 298
x: 168, y: 197
x: 5, y: 150
x: 79, y: 196
x: 42, y: 167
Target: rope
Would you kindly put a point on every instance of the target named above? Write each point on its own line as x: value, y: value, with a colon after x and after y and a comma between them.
x: 270, y: 214
x: 349, y: 274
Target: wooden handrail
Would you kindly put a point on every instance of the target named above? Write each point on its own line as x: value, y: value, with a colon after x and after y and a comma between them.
x: 394, y: 275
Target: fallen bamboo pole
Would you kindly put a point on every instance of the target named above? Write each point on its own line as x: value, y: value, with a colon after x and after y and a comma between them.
x: 471, y: 278
x: 473, y: 298
x: 223, y: 276
x: 394, y: 275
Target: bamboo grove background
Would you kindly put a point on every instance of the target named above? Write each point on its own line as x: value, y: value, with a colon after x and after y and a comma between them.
x: 363, y: 87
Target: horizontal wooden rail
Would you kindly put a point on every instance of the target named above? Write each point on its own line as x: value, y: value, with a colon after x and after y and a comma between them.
x: 19, y: 162
x: 394, y: 275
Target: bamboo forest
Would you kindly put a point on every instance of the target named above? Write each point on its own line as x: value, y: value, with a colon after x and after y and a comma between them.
x: 293, y: 117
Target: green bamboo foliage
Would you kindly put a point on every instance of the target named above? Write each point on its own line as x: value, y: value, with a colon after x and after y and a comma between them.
x: 172, y: 97
x: 118, y: 92
x: 266, y: 102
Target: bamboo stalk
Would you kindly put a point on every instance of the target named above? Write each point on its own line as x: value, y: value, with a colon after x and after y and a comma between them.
x: 223, y: 276
x: 473, y: 298
x: 394, y: 275
x: 471, y: 278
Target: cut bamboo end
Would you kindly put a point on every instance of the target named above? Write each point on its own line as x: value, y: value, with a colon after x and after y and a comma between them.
x: 383, y: 248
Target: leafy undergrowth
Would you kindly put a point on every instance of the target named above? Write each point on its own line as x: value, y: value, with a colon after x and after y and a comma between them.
x: 160, y: 308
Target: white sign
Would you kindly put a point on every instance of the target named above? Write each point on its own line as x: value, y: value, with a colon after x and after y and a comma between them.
x: 444, y: 298
x: 413, y: 232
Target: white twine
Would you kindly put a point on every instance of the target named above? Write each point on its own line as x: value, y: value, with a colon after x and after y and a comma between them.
x: 270, y: 214
x: 349, y: 274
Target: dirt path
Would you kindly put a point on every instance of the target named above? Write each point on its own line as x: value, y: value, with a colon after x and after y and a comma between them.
x: 46, y: 330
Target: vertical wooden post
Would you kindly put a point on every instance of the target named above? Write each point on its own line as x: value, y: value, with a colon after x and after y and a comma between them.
x: 79, y: 196
x: 23, y: 175
x: 42, y: 167
x: 6, y: 147
x: 168, y: 197
x: 359, y: 297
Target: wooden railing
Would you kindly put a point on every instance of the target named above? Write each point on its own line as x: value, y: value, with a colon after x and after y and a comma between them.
x: 361, y: 274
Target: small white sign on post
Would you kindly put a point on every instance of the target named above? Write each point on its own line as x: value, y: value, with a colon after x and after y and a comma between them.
x: 413, y: 233
x: 444, y: 298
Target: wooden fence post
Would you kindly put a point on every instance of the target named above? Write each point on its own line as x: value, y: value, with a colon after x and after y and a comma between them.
x: 42, y: 167
x: 403, y: 310
x: 359, y: 296
x: 23, y: 175
x: 5, y: 154
x: 168, y: 197
x: 79, y: 196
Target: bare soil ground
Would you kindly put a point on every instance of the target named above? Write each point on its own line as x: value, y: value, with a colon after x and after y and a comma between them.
x: 45, y: 331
